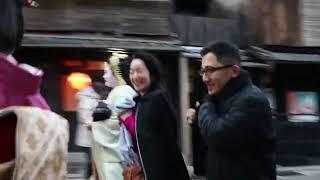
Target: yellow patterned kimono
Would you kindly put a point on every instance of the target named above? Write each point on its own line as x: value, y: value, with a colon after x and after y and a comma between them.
x: 41, y: 144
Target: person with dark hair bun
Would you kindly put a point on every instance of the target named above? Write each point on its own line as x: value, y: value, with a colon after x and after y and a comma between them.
x: 27, y: 149
x: 19, y: 83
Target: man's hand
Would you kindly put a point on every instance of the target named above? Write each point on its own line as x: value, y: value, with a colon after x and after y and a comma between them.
x: 191, y: 115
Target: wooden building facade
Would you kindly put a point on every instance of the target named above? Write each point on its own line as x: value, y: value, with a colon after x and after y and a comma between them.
x: 66, y: 36
x: 282, y: 22
x: 86, y: 30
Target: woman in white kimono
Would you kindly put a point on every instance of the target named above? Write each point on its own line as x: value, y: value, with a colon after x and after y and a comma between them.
x: 106, y: 147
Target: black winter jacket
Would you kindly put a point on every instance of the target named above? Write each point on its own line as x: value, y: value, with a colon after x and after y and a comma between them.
x: 237, y: 125
x: 156, y: 125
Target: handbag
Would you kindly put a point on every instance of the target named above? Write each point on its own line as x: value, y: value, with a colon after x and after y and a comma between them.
x: 102, y: 112
x: 133, y: 172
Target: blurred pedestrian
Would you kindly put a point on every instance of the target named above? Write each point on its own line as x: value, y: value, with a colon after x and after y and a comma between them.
x: 88, y: 99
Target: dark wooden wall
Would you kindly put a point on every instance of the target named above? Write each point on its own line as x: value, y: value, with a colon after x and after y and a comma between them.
x: 199, y: 31
x: 282, y: 22
x: 107, y: 16
x: 273, y: 22
x: 310, y: 12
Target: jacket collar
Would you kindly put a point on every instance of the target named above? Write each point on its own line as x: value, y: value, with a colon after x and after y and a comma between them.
x: 149, y: 95
x: 18, y: 79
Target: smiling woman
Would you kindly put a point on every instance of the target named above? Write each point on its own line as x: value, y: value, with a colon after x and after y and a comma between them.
x: 145, y: 73
x: 156, y: 122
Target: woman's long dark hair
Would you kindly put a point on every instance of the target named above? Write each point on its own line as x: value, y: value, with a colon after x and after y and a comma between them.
x: 154, y: 67
x: 11, y: 25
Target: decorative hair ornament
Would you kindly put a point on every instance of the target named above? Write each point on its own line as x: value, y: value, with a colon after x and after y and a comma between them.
x: 30, y: 3
x: 114, y: 62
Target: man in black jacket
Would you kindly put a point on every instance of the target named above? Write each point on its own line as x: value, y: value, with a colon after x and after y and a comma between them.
x: 235, y: 119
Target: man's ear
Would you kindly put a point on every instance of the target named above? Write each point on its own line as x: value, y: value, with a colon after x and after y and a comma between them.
x: 235, y: 70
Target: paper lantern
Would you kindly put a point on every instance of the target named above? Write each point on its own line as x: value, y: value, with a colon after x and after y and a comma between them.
x: 79, y: 80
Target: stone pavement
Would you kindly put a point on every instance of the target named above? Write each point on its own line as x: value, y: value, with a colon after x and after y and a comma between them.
x: 197, y: 178
x: 284, y: 173
x: 78, y: 162
x: 299, y: 173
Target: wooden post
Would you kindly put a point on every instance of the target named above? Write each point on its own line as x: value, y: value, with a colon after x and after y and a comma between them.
x: 185, y: 129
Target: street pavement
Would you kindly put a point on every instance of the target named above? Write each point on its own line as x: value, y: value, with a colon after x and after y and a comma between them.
x: 78, y: 162
x: 288, y: 173
x: 299, y: 173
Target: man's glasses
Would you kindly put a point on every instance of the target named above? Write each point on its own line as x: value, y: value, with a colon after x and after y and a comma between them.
x: 210, y: 69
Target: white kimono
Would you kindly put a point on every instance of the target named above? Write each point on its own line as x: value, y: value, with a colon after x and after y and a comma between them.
x: 106, y: 146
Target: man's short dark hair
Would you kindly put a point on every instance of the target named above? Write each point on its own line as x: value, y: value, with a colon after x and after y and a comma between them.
x: 226, y: 53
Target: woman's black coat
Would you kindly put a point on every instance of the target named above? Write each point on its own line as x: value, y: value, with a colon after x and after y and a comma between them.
x: 156, y: 125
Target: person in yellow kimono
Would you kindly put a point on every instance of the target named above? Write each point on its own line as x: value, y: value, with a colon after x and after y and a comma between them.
x: 41, y: 148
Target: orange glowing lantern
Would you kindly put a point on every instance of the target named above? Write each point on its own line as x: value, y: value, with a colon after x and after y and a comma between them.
x: 79, y: 80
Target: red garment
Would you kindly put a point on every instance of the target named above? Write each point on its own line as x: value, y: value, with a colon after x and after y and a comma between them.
x: 18, y: 87
x: 130, y: 124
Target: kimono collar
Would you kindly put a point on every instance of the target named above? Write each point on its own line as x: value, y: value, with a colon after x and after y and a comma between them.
x: 17, y: 78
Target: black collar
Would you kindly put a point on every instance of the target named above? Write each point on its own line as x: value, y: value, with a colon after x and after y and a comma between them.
x: 149, y: 95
